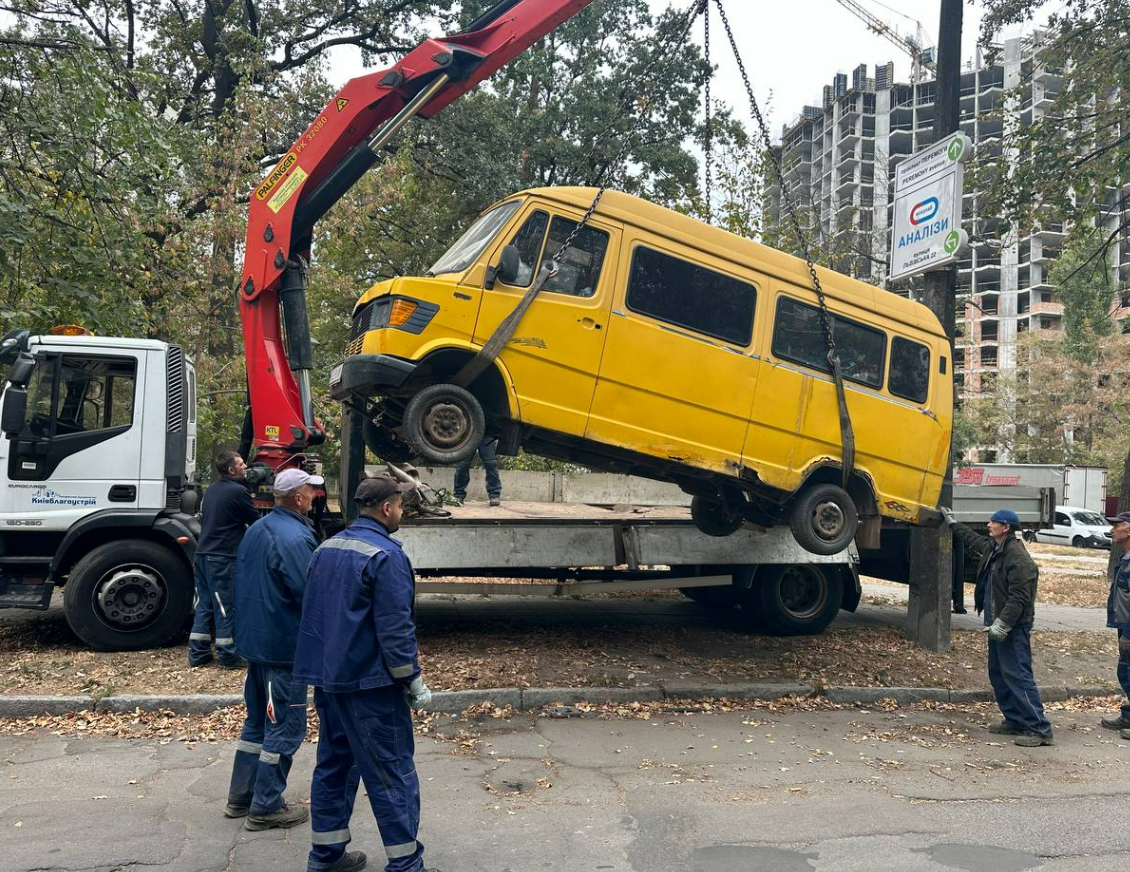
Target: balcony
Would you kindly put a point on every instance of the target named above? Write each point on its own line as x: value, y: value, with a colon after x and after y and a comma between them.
x: 1045, y: 308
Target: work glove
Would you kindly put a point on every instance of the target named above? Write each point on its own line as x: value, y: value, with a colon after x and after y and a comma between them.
x: 947, y: 516
x: 418, y: 693
x: 1124, y: 646
x: 999, y: 630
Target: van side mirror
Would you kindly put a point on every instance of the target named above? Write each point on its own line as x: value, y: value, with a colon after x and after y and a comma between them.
x: 15, y: 411
x: 509, y: 266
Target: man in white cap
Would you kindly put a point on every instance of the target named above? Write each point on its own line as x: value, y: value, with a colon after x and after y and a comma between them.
x: 270, y: 583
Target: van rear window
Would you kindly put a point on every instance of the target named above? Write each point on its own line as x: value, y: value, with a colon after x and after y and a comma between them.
x: 910, y: 370
x: 679, y: 292
x: 799, y: 337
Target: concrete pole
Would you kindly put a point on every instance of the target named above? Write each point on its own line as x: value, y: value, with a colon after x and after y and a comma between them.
x: 931, y: 551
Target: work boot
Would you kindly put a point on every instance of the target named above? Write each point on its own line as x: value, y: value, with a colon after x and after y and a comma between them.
x: 1007, y: 728
x: 1125, y: 734
x: 351, y: 861
x: 1033, y: 740
x: 235, y: 811
x: 240, y: 663
x: 1118, y: 723
x: 283, y: 819
x: 494, y: 501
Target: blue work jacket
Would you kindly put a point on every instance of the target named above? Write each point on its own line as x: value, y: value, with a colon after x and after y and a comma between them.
x: 357, y: 630
x: 270, y: 579
x: 1118, y: 602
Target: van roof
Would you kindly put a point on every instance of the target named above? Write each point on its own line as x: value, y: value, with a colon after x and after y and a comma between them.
x: 682, y: 228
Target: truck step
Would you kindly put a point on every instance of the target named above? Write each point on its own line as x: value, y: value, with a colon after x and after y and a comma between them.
x: 14, y: 595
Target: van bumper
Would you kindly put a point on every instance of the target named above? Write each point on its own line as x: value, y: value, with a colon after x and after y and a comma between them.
x: 368, y: 375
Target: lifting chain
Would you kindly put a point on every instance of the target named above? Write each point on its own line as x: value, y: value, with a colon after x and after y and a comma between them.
x: 708, y: 145
x: 847, y: 434
x: 663, y: 58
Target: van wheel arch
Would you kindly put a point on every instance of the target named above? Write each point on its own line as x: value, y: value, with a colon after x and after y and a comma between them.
x: 491, y: 388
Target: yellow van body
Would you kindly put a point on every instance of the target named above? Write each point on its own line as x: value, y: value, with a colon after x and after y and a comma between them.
x: 632, y: 372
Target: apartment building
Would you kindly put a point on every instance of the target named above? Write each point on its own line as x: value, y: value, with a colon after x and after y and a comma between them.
x: 839, y: 162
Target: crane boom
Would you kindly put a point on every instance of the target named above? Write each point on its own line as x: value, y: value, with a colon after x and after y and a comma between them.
x: 912, y: 47
x: 343, y: 142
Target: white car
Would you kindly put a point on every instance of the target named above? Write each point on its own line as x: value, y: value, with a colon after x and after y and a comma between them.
x: 1079, y: 527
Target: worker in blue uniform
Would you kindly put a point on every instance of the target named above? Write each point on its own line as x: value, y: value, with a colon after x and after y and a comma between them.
x: 226, y: 513
x: 357, y: 647
x: 270, y: 581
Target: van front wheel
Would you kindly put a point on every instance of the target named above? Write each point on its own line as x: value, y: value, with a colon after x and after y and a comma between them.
x: 444, y: 424
x: 824, y: 519
x: 714, y: 517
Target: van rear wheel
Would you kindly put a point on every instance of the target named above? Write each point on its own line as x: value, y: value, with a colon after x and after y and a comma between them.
x: 824, y: 519
x: 444, y: 424
x: 714, y: 517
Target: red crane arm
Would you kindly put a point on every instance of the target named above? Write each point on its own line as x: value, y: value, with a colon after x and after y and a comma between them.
x: 318, y: 169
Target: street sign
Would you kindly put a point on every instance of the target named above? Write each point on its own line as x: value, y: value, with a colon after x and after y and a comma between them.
x: 926, y: 233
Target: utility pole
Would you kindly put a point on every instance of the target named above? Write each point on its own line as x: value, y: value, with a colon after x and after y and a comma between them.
x: 931, y: 551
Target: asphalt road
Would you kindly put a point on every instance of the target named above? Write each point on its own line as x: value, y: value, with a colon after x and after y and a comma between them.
x: 773, y: 792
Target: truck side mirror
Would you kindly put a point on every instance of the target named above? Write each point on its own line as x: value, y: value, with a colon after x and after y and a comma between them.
x: 15, y: 411
x: 22, y: 368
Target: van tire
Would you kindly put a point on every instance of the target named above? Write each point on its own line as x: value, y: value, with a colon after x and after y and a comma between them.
x: 384, y: 444
x: 444, y: 424
x: 824, y: 519
x: 793, y: 599
x: 1078, y: 542
x: 713, y: 517
x: 140, y: 569
x: 1028, y: 535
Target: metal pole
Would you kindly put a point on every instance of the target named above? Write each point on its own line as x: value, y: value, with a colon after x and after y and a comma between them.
x: 931, y: 551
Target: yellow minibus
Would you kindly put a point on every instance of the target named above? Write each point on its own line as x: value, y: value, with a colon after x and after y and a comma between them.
x: 666, y: 348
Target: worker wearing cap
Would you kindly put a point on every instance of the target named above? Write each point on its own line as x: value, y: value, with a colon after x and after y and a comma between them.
x: 1118, y: 618
x: 225, y: 515
x: 1006, y: 593
x: 357, y: 647
x: 270, y: 582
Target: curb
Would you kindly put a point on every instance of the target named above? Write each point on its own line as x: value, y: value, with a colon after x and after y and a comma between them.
x: 525, y: 699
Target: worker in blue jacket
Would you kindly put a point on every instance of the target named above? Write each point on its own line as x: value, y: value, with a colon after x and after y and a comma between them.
x: 270, y: 582
x: 357, y: 647
x: 225, y: 515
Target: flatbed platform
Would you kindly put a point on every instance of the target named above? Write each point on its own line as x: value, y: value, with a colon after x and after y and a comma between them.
x: 540, y: 514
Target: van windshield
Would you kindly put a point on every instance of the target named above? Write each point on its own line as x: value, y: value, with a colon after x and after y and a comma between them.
x: 1091, y: 519
x: 471, y: 244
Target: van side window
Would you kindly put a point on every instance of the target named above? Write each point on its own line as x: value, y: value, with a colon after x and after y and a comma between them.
x: 910, y: 370
x: 679, y: 292
x: 528, y: 241
x: 799, y: 337
x: 579, y: 271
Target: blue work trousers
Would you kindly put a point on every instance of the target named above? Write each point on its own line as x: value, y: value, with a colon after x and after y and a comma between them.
x: 1124, y: 677
x: 215, y: 583
x: 275, y: 727
x: 488, y: 451
x: 365, y: 736
x: 1010, y: 673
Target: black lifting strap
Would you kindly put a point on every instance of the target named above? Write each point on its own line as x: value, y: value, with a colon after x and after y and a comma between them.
x: 847, y: 432
x: 664, y: 57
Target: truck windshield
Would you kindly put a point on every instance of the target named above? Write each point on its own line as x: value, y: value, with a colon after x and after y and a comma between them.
x: 471, y: 244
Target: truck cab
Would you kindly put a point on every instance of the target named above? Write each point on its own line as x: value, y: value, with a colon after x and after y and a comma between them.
x: 97, y: 452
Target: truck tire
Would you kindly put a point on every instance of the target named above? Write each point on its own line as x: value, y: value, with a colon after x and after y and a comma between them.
x: 713, y: 517
x: 128, y: 595
x: 793, y: 599
x: 444, y: 424
x: 824, y: 519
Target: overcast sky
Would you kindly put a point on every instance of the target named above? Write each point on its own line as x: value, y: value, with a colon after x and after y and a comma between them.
x: 793, y: 48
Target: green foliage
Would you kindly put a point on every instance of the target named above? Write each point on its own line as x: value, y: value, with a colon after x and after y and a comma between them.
x: 1082, y: 277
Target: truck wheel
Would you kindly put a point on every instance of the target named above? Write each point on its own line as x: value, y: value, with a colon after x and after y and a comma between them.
x: 824, y: 519
x: 713, y: 517
x: 384, y: 444
x: 128, y: 595
x: 444, y: 424
x: 793, y: 599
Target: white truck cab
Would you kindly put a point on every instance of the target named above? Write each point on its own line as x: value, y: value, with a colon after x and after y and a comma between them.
x: 97, y: 451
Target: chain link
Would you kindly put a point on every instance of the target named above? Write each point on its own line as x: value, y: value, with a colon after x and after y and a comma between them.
x: 708, y: 157
x: 786, y: 197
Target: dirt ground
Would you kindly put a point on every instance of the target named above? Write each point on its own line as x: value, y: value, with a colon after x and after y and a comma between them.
x: 41, y: 656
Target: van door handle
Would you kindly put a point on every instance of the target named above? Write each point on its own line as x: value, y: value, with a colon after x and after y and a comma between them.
x: 588, y: 323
